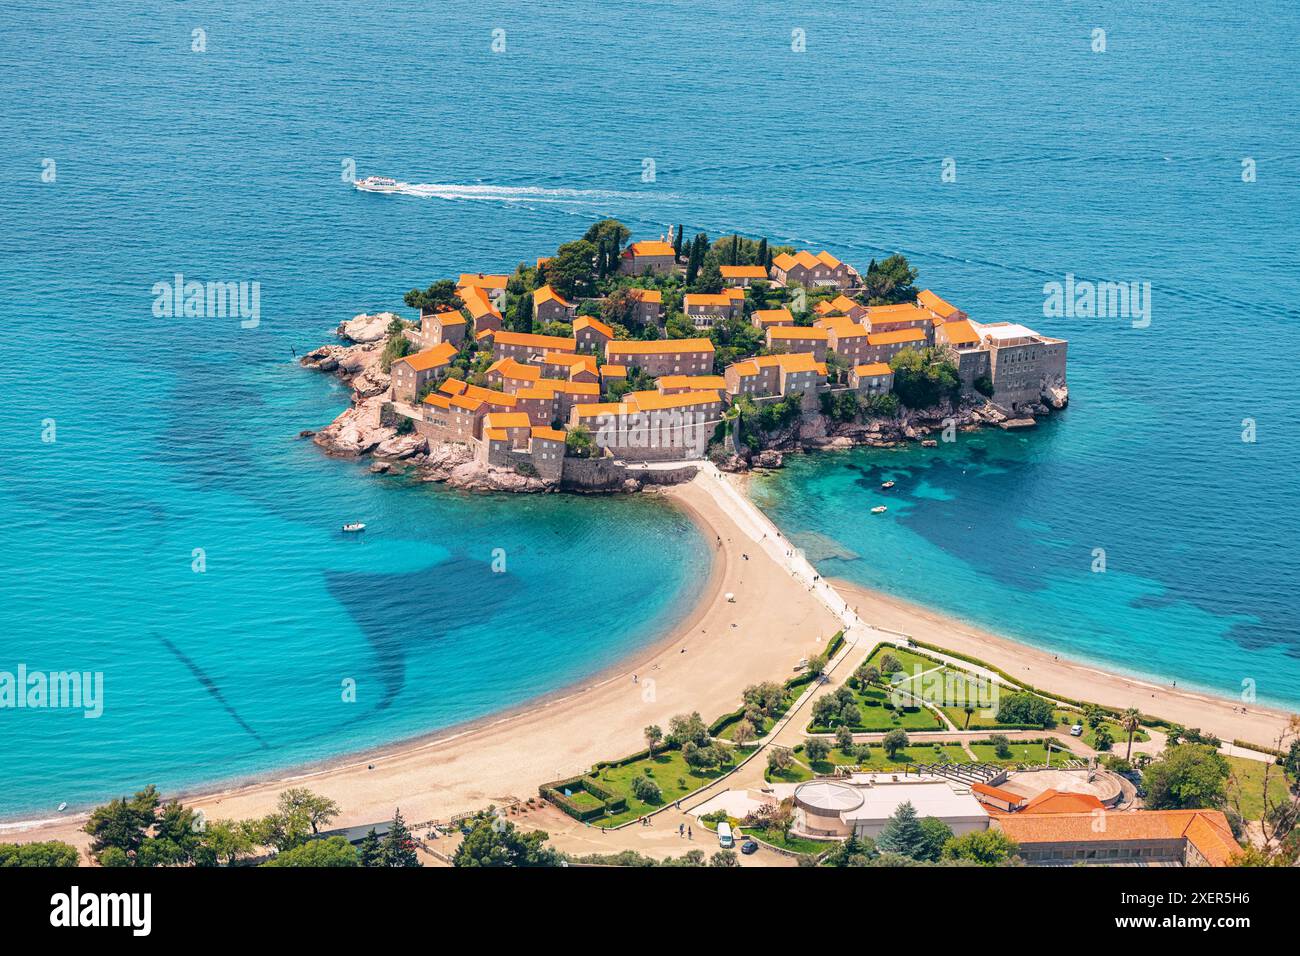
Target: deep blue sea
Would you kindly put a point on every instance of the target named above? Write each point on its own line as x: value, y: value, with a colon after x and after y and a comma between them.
x: 225, y: 164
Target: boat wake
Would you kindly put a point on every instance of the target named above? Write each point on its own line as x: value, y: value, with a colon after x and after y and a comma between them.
x: 491, y: 193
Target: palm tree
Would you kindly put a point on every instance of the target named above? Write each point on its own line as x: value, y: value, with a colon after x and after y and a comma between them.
x: 970, y: 710
x: 1129, y: 722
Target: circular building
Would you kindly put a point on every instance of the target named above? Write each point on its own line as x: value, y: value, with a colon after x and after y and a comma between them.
x: 821, y: 806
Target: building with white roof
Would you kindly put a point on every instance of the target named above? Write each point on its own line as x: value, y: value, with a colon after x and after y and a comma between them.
x: 862, y: 803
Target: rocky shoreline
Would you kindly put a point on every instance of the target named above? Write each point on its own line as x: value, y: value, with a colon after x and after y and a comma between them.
x: 369, y: 429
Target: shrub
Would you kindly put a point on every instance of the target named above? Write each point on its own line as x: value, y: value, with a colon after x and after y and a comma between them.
x: 646, y: 790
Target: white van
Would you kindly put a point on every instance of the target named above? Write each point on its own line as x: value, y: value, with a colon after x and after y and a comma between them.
x: 725, y: 839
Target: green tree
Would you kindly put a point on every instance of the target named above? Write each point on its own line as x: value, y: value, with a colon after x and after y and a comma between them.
x: 903, y: 833
x: 844, y: 739
x: 890, y: 281
x: 438, y: 297
x: 779, y: 759
x: 688, y: 728
x: 370, y: 852
x: 724, y: 858
x: 331, y: 851
x: 652, y: 736
x: 924, y: 378
x: 1187, y: 777
x: 743, y: 732
x: 646, y: 790
x: 578, y: 442
x: 893, y: 742
x: 816, y: 749
x: 123, y: 824
x: 1102, y: 739
x: 936, y: 835
x: 989, y: 847
x: 492, y: 842
x: 855, y: 851
x: 569, y: 271
x: 1025, y: 709
x: 1001, y: 746
x: 52, y: 853
x: 398, y: 847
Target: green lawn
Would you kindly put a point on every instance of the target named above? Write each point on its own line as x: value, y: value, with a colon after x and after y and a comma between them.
x: 1022, y: 751
x: 768, y: 722
x: 667, y: 769
x: 1246, y: 786
x: 1066, y: 718
x: 792, y: 843
x: 878, y: 761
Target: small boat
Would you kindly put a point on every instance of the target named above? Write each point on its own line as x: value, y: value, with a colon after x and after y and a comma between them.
x: 378, y: 184
x: 887, y: 485
x: 354, y: 526
x: 63, y: 806
x: 879, y: 510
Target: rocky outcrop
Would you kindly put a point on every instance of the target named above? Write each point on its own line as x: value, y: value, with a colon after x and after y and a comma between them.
x: 1056, y: 396
x: 768, y: 458
x: 364, y: 329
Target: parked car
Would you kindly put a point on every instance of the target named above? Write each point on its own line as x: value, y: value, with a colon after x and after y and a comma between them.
x: 725, y: 839
x: 1076, y: 730
x: 748, y: 847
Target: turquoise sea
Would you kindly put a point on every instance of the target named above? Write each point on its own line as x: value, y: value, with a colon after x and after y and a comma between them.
x: 224, y: 164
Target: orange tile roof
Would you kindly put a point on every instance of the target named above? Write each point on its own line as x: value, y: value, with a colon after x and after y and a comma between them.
x: 896, y: 336
x: 735, y: 294
x: 698, y: 382
x: 1207, y: 830
x: 435, y: 357
x: 437, y: 401
x: 806, y: 259
x: 664, y: 346
x: 650, y: 248
x: 743, y: 272
x: 476, y: 393
x: 959, y: 333
x: 613, y: 371
x: 771, y: 316
x: 1055, y: 801
x: 453, y: 386
x: 506, y: 420
x: 540, y: 342
x: 647, y: 295
x: 535, y: 393
x: 446, y: 317
x: 843, y: 327
x: 476, y: 301
x: 875, y: 368
x: 792, y: 362
x: 889, y: 315
x: 468, y: 404
x: 477, y: 280
x: 1006, y: 796
x: 596, y: 409
x: 586, y: 321
x: 496, y: 434
x: 513, y: 368
x: 936, y: 304
x: 547, y: 294
x: 654, y: 402
x: 550, y: 434
x: 778, y: 332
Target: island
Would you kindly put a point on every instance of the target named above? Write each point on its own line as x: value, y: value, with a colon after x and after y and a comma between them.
x: 613, y: 365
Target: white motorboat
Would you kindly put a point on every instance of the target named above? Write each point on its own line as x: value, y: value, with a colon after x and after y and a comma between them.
x: 879, y: 510
x: 378, y: 184
x: 354, y: 526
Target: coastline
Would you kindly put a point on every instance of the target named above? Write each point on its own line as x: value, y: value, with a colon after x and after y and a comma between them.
x: 509, y: 753
x: 1069, y: 677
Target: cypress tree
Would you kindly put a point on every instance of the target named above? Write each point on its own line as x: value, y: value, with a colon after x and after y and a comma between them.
x: 762, y: 253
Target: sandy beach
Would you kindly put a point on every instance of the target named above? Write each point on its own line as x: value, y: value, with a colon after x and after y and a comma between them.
x: 781, y: 613
x: 704, y: 665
